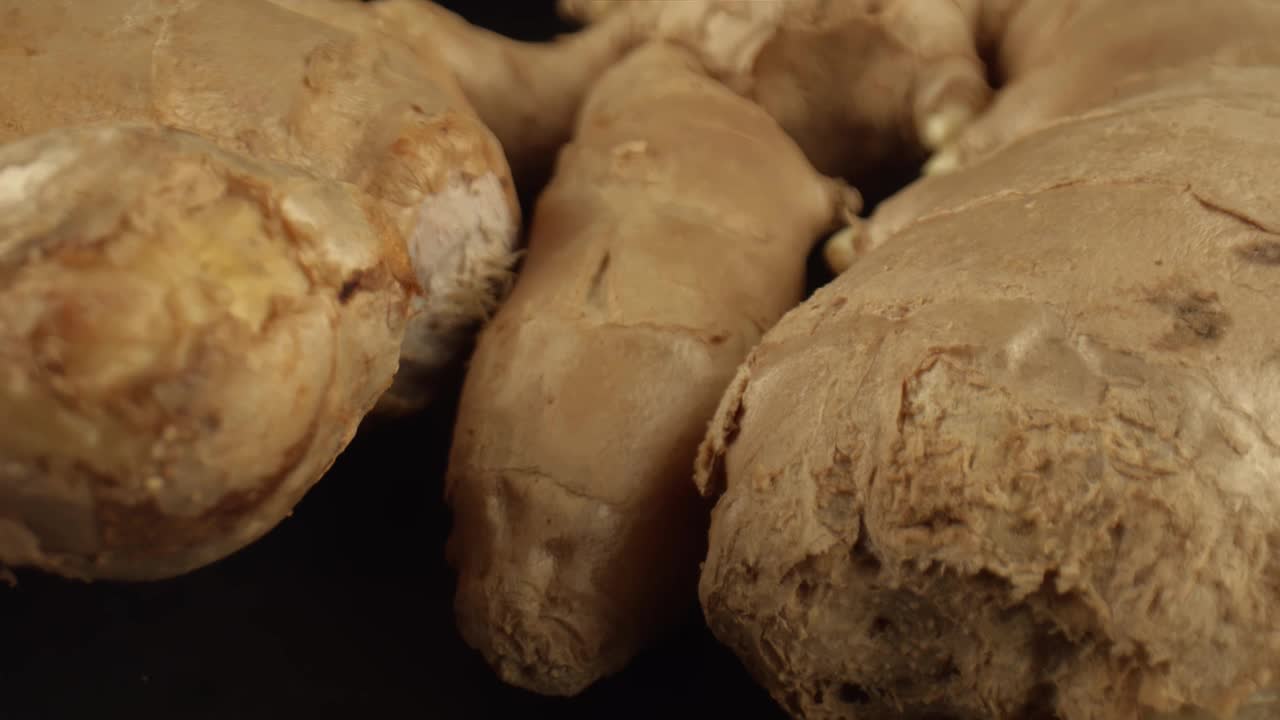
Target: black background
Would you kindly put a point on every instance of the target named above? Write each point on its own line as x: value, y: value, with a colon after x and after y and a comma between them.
x: 344, y: 609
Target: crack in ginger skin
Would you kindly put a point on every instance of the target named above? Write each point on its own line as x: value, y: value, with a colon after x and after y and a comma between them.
x: 1044, y: 483
x: 576, y: 532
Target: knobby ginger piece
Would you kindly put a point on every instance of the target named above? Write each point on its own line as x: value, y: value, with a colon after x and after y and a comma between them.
x: 1023, y: 458
x: 187, y: 340
x: 180, y: 377
x: 346, y: 102
x: 674, y: 231
x: 1063, y: 60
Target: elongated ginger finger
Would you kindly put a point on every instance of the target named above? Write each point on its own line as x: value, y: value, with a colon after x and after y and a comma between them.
x: 187, y: 340
x: 674, y: 231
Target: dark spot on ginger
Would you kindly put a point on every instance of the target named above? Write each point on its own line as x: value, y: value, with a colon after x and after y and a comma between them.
x: 1040, y: 702
x: 1260, y: 253
x: 854, y: 694
x: 1198, y: 319
x: 1117, y: 532
x: 348, y: 289
x: 990, y: 582
x: 562, y: 549
x: 359, y: 280
x: 862, y: 554
x: 804, y: 591
x: 596, y: 290
x: 880, y: 626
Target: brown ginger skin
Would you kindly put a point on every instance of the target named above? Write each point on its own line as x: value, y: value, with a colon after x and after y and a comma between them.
x: 1023, y: 458
x: 184, y: 350
x: 674, y: 232
x: 341, y: 100
x: 191, y: 334
x: 527, y: 93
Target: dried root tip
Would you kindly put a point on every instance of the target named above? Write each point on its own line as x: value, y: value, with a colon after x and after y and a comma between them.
x: 528, y: 645
x: 845, y: 247
x: 943, y: 162
x: 943, y: 126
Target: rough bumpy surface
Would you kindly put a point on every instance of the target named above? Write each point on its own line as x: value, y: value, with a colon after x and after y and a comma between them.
x: 1023, y: 459
x: 674, y: 232
x: 187, y: 340
x: 333, y: 96
x: 195, y: 322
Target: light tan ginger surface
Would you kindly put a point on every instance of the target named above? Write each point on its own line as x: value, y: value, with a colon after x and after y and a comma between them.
x: 1061, y: 60
x: 857, y: 83
x: 1023, y: 459
x: 674, y: 232
x: 183, y: 350
x: 173, y: 443
x: 347, y: 103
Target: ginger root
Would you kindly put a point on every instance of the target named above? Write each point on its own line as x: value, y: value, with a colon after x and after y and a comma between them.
x: 187, y: 340
x: 674, y: 231
x: 1021, y: 458
x: 340, y: 100
x: 246, y: 220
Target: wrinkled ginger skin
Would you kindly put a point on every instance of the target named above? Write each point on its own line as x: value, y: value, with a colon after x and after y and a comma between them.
x: 674, y: 231
x: 1023, y: 459
x: 328, y: 93
x: 187, y: 341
